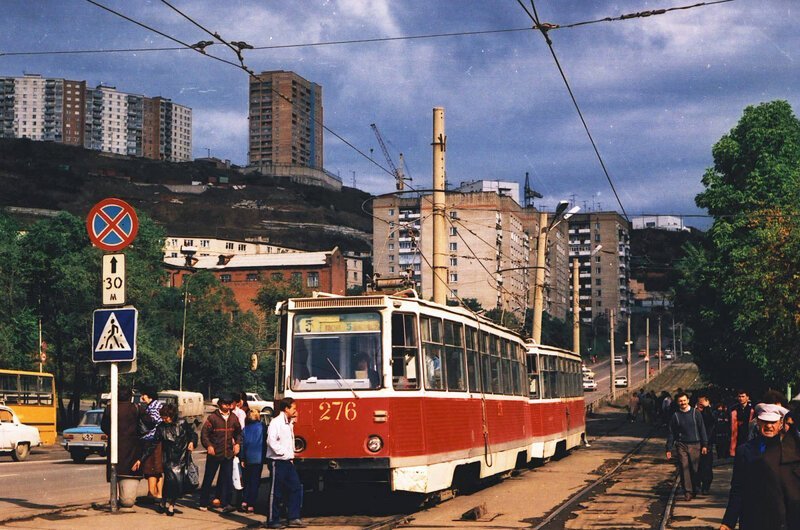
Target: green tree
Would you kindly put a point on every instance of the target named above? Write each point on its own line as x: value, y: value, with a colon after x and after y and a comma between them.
x: 741, y: 291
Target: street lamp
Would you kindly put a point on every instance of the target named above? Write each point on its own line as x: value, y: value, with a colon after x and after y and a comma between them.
x: 188, y: 252
x: 560, y: 214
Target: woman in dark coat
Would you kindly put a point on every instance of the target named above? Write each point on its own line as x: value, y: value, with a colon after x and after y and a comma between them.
x: 177, y: 438
x: 128, y: 444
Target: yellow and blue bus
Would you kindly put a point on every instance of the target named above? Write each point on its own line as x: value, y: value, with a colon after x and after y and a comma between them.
x: 32, y: 395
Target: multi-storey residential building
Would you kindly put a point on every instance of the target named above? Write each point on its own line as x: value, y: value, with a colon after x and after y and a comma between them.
x: 491, y: 255
x: 101, y: 118
x: 601, y: 242
x: 174, y: 247
x: 672, y: 223
x: 285, y: 120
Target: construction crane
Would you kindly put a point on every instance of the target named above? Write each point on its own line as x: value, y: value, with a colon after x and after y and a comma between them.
x: 399, y: 176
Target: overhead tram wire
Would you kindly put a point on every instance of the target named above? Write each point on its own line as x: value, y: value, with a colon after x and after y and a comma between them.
x: 629, y: 16
x: 173, y: 39
x: 535, y: 18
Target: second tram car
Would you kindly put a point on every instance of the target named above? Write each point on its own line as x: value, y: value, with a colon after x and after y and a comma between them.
x: 396, y: 390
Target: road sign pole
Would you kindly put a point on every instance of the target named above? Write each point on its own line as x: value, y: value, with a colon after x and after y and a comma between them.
x: 114, y: 438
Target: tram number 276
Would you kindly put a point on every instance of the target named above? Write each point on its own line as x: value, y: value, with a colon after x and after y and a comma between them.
x: 337, y: 410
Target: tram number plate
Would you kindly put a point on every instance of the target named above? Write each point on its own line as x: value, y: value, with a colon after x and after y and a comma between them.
x: 337, y: 410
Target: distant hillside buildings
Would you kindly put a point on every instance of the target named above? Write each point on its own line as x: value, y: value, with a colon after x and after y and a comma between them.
x: 101, y: 118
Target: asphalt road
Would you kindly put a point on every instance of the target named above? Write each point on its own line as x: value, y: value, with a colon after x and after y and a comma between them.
x: 603, y: 377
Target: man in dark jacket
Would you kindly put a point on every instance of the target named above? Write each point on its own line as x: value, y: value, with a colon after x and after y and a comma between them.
x: 765, y: 487
x: 688, y: 434
x: 128, y: 444
x: 705, y: 470
x: 741, y: 416
x: 221, y: 435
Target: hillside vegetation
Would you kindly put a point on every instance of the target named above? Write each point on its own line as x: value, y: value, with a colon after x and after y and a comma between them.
x: 52, y: 176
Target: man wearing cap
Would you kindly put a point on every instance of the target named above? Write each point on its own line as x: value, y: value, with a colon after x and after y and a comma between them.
x: 765, y: 488
x: 687, y: 434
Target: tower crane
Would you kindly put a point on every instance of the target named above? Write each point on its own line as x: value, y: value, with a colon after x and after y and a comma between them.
x: 397, y: 172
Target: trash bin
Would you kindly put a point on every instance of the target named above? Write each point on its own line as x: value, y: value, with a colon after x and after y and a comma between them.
x: 128, y: 487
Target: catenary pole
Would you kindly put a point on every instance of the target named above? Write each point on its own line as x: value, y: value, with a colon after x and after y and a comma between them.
x: 439, y: 206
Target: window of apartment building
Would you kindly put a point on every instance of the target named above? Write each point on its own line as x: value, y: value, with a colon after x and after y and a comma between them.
x: 453, y: 277
x: 597, y: 226
x: 391, y: 269
x: 252, y: 276
x: 297, y: 277
x: 453, y: 247
x: 225, y: 278
x: 204, y: 243
x: 188, y: 242
x: 391, y: 257
x: 599, y: 292
x: 599, y: 303
x: 453, y: 214
x: 228, y: 246
x: 598, y: 281
x: 597, y: 236
x: 312, y: 279
x: 597, y: 259
x: 391, y: 246
x: 277, y: 276
x: 453, y: 262
x: 355, y: 275
x: 453, y: 231
x: 242, y: 247
x: 597, y: 270
x: 174, y: 255
x: 391, y: 212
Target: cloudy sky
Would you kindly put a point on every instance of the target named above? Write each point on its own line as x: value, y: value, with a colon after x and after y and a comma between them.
x: 656, y: 92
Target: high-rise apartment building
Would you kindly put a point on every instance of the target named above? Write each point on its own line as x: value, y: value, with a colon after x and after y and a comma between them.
x: 601, y: 242
x: 285, y: 121
x: 101, y: 118
x: 491, y: 246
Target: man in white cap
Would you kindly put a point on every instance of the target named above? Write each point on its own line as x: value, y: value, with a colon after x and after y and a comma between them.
x: 765, y: 488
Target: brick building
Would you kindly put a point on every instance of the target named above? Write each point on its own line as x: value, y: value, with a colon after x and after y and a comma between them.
x: 243, y: 274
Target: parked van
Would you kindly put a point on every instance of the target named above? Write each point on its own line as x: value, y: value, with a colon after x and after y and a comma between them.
x: 190, y: 404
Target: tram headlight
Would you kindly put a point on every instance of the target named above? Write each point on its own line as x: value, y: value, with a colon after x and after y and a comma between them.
x: 374, y: 444
x: 299, y: 444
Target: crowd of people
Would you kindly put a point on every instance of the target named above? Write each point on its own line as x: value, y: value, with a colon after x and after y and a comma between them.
x: 763, y: 439
x: 156, y: 444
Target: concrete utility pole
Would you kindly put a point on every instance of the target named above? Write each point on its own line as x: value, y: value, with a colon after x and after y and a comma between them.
x: 576, y: 309
x: 674, y: 346
x: 660, y: 354
x: 628, y: 343
x: 647, y: 352
x: 538, y: 293
x: 439, y: 205
x: 613, y: 368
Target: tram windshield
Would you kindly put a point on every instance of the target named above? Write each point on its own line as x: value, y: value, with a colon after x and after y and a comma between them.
x: 336, y: 351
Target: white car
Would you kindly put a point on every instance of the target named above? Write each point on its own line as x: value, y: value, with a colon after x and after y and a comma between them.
x: 618, y: 359
x: 15, y: 437
x: 587, y: 372
x: 621, y: 381
x: 668, y: 355
x: 254, y: 401
x: 589, y: 384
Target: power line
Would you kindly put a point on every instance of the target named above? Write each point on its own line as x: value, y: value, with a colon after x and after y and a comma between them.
x: 548, y: 26
x: 173, y: 39
x: 535, y: 17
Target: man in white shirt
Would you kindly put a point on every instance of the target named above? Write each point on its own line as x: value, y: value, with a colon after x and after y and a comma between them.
x: 286, y: 487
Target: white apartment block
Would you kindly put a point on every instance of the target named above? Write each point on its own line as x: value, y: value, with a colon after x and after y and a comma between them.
x: 102, y: 118
x: 204, y: 246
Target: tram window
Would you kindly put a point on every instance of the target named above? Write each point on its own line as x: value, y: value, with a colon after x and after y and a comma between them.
x: 331, y: 350
x: 281, y: 364
x: 504, y: 352
x: 404, y: 352
x: 454, y: 355
x: 496, y: 377
x: 533, y: 376
x: 508, y: 383
x: 432, y: 349
x: 515, y: 381
x: 486, y: 373
x: 473, y: 364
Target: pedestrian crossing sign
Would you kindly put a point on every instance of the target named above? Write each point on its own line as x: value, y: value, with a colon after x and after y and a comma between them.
x: 114, y: 335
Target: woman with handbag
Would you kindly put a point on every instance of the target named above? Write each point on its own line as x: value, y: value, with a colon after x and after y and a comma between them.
x: 178, y: 440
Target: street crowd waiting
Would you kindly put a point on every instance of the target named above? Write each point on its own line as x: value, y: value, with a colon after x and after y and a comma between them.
x: 763, y: 439
x: 155, y: 443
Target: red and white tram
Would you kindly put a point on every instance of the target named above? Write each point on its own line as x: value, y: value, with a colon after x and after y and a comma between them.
x: 397, y: 390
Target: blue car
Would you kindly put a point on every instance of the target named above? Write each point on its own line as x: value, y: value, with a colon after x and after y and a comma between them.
x: 86, y: 438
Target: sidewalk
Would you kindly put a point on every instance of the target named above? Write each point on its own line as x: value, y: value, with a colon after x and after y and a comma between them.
x: 706, y: 511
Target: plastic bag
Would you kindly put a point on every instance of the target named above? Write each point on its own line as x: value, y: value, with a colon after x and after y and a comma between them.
x: 237, y: 474
x: 191, y: 474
